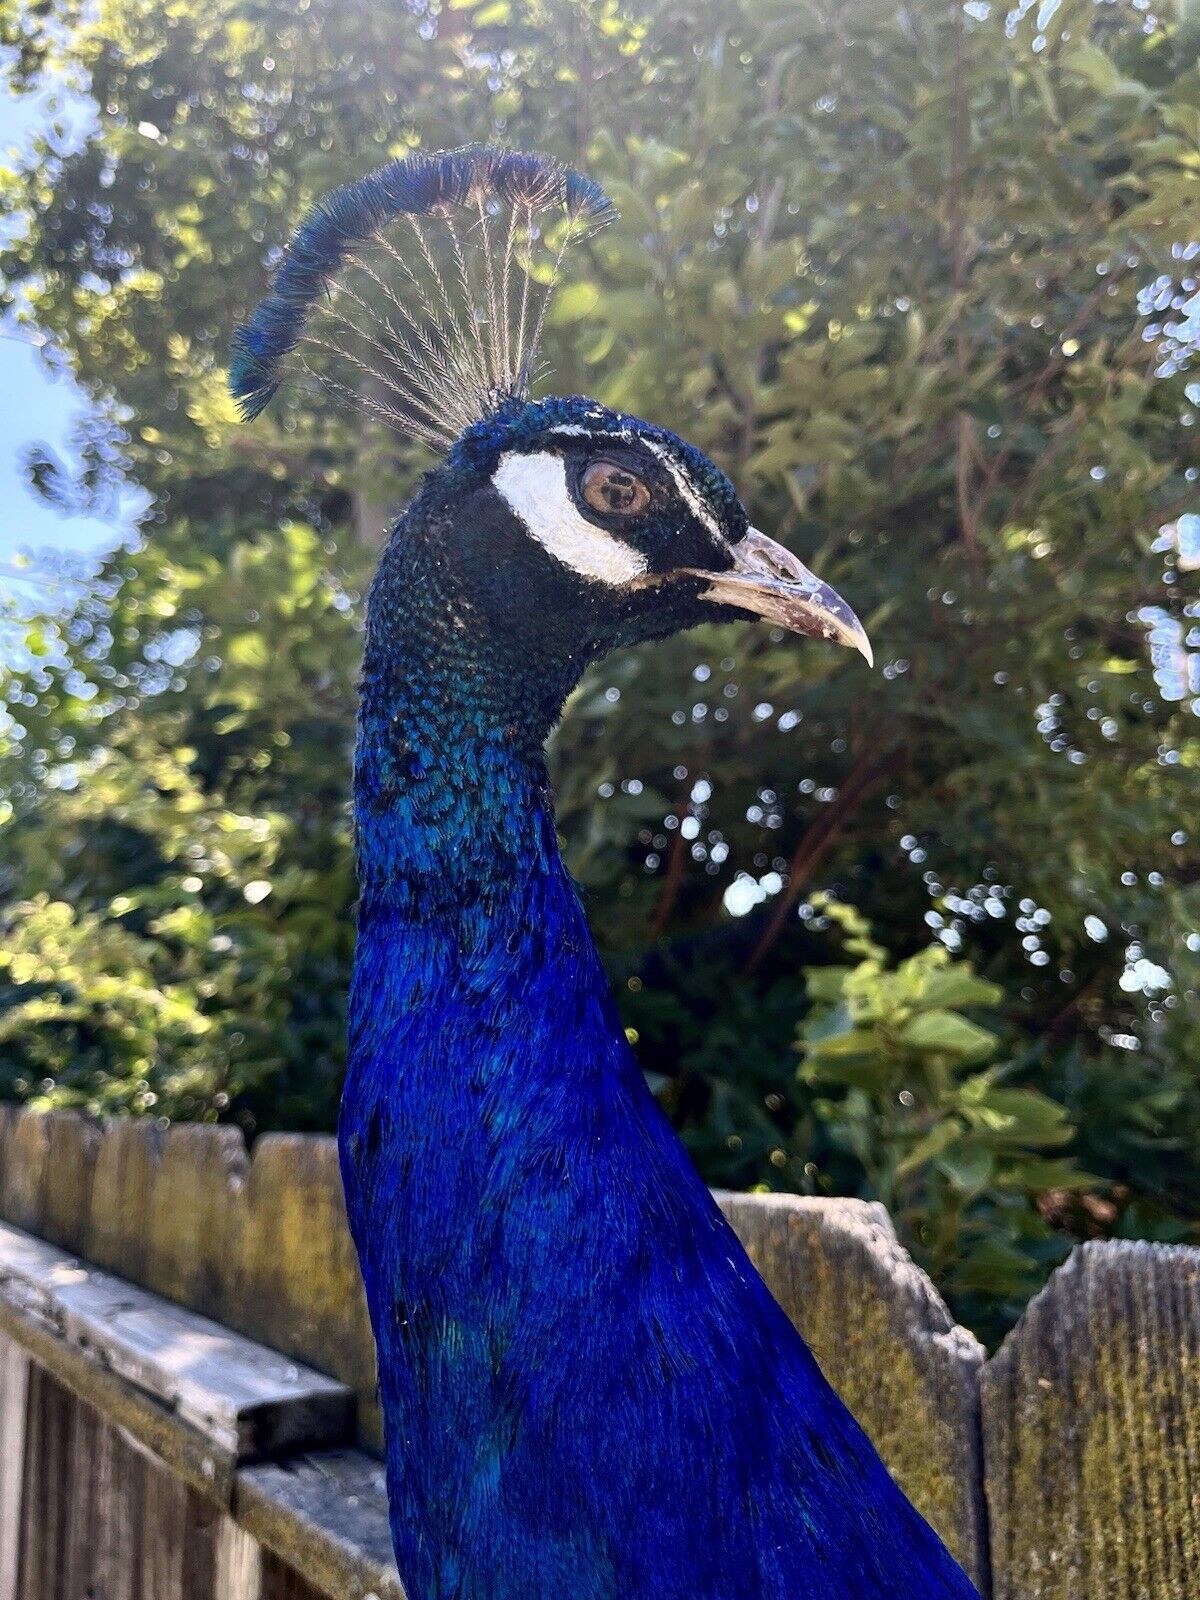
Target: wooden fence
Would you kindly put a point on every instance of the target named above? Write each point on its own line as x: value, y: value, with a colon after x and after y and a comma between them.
x: 187, y: 1405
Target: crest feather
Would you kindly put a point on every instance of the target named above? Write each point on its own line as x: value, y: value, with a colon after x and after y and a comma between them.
x: 429, y: 338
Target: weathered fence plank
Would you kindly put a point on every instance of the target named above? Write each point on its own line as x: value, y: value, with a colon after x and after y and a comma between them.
x: 1091, y: 1417
x: 906, y: 1370
x: 247, y: 1399
x: 258, y: 1243
x: 1088, y: 1441
x: 116, y: 1231
x: 300, y: 1287
x: 84, y: 1510
x: 324, y: 1515
x: 239, y: 1564
x: 14, y: 1397
x: 24, y: 1148
x: 119, y: 1472
x: 103, y: 1519
x: 65, y: 1205
x: 46, y: 1485
x: 203, y: 1398
x: 178, y: 1539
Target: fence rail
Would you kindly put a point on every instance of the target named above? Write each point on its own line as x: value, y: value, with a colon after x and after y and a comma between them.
x: 154, y: 1447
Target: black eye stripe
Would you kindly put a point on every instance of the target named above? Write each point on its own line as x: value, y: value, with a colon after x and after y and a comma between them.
x: 676, y: 490
x: 659, y: 465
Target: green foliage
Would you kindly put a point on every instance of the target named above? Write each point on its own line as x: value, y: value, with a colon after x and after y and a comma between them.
x: 916, y: 277
x: 181, y: 829
x: 912, y: 1099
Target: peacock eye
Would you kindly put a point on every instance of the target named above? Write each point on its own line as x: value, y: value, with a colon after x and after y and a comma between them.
x: 613, y: 490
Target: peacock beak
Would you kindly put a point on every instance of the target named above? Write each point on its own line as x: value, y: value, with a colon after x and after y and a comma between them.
x: 772, y: 583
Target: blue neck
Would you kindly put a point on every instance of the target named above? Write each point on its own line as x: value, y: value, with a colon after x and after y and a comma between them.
x: 452, y: 809
x: 452, y: 806
x: 463, y: 896
x: 583, y: 1381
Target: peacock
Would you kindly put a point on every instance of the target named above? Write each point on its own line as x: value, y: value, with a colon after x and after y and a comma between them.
x: 587, y: 1390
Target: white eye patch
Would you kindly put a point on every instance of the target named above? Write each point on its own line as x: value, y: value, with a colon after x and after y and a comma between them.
x: 535, y: 487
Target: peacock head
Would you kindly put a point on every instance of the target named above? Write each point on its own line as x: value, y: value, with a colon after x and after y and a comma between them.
x: 556, y: 516
x: 624, y: 529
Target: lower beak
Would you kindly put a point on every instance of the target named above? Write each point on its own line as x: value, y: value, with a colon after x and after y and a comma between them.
x: 771, y: 583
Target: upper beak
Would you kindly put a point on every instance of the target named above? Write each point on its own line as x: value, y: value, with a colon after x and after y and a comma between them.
x: 772, y: 583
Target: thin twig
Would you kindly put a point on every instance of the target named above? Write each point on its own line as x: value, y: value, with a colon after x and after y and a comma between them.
x: 676, y: 862
x: 770, y: 197
x: 867, y: 776
x: 965, y: 447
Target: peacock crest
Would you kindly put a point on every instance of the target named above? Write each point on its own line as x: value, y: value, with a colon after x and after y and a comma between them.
x: 418, y: 294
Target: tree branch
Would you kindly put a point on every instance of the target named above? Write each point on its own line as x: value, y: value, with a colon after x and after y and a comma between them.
x: 676, y: 862
x: 868, y: 775
x: 770, y: 196
x: 965, y: 448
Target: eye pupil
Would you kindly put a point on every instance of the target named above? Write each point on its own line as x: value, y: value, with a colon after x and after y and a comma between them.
x: 612, y: 489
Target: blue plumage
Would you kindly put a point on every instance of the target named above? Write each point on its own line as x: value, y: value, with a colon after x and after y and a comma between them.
x: 588, y: 1392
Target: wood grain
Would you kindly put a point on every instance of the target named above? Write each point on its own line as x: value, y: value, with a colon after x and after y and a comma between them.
x: 887, y: 1343
x: 324, y: 1515
x: 244, y: 1399
x: 238, y: 1573
x: 118, y: 1469
x: 1091, y: 1420
x: 46, y: 1489
x: 14, y: 1398
x: 258, y: 1243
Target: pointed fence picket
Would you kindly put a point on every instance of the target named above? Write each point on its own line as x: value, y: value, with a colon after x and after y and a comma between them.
x: 1065, y: 1468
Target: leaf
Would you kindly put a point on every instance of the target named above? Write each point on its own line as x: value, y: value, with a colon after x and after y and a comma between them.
x: 956, y: 986
x: 933, y: 1144
x: 248, y: 650
x: 996, y: 1268
x: 948, y: 1033
x: 825, y: 983
x: 968, y: 1167
x: 1099, y: 71
x: 1038, y: 1174
x: 1022, y: 1116
x: 853, y: 1042
x: 575, y: 301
